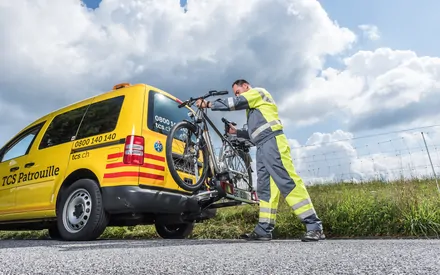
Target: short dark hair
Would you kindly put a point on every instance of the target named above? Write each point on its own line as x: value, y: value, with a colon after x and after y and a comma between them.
x: 239, y: 82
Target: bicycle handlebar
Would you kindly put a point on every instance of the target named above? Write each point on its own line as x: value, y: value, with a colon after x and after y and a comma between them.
x: 217, y: 93
x: 225, y: 121
x: 210, y: 93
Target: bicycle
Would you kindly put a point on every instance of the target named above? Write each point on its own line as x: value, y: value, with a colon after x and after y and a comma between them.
x: 223, y: 178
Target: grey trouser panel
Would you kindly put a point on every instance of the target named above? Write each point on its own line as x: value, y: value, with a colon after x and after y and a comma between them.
x: 277, y: 176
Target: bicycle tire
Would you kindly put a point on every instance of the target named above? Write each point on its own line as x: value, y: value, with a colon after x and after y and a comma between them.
x: 170, y: 163
x: 246, y: 160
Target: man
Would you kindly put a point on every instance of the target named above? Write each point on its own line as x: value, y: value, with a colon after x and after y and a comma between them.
x: 275, y: 171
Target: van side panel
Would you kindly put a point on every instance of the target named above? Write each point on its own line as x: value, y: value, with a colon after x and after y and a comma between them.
x: 46, y: 163
x: 49, y: 165
x: 103, y: 154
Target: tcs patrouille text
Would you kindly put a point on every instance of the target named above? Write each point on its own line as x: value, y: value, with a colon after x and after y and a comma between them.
x: 23, y: 177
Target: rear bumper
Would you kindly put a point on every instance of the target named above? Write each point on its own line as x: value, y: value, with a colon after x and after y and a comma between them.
x: 135, y: 199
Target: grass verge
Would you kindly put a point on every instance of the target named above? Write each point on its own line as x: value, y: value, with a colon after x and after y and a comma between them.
x: 373, y: 209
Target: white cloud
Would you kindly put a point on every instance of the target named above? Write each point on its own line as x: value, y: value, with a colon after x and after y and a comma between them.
x: 55, y: 53
x: 376, y: 89
x: 324, y: 95
x: 370, y: 31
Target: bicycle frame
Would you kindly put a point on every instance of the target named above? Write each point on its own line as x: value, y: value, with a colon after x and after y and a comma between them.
x: 201, y: 120
x: 214, y: 164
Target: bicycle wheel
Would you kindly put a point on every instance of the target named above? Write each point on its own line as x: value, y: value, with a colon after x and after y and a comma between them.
x: 240, y: 167
x: 180, y: 154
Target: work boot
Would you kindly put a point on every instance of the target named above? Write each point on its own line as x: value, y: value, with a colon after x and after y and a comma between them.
x: 313, y: 236
x: 253, y: 236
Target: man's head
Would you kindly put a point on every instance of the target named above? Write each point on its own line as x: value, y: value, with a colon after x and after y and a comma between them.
x: 240, y: 86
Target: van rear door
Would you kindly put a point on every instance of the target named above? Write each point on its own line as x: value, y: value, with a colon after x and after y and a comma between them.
x: 162, y: 113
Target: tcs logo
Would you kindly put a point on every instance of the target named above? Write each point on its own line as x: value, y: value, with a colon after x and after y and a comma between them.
x: 8, y: 180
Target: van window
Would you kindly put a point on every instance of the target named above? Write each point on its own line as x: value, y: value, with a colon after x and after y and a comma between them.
x: 164, y: 113
x: 21, y: 145
x: 101, y: 117
x: 62, y: 128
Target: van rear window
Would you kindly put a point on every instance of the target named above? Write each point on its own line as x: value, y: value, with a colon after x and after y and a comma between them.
x: 100, y: 117
x: 164, y: 113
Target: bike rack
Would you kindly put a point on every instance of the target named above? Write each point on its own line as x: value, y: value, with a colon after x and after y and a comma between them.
x: 218, y: 193
x: 232, y: 197
x: 205, y: 195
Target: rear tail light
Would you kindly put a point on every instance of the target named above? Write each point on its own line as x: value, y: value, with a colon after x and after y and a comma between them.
x: 254, y: 196
x: 134, y: 150
x: 229, y: 188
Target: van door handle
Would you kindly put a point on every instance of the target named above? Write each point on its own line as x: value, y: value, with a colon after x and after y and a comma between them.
x: 14, y: 169
x: 27, y: 165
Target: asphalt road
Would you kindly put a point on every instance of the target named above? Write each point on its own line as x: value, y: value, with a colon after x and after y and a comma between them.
x: 220, y: 257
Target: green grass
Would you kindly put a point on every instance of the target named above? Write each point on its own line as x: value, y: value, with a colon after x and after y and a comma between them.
x: 373, y: 209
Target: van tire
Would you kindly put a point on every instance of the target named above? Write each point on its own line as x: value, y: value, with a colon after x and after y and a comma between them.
x: 84, y: 199
x: 174, y: 231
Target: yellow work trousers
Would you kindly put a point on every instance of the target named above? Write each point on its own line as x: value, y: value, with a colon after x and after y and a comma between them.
x: 277, y: 176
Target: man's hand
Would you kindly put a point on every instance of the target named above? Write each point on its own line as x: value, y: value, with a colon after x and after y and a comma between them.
x: 200, y: 103
x: 232, y: 129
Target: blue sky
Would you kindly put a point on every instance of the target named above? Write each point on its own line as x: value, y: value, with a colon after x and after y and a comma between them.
x: 413, y: 25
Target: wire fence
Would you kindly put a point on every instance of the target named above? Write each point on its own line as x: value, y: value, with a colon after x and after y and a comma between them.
x: 408, y: 154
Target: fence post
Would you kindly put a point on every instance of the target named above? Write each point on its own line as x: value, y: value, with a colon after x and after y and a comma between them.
x: 430, y: 160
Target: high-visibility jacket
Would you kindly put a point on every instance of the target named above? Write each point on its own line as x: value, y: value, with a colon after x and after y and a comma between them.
x: 261, y: 111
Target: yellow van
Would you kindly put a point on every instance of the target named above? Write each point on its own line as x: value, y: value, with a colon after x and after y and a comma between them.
x: 97, y: 163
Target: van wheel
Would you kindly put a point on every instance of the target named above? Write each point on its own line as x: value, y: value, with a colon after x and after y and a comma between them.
x: 81, y: 214
x: 174, y: 231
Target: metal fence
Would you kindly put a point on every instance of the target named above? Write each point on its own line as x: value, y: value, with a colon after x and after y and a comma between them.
x: 406, y: 154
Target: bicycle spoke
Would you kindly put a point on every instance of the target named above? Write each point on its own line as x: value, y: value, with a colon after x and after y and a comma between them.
x: 186, y: 162
x: 237, y: 166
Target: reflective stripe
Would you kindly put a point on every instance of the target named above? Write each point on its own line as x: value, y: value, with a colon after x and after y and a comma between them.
x: 231, y: 104
x: 264, y: 96
x: 307, y: 213
x: 268, y: 213
x: 301, y: 204
x: 268, y: 210
x: 264, y: 127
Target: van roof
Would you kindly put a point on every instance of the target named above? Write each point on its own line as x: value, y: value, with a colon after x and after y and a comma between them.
x: 51, y: 113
